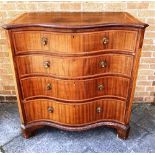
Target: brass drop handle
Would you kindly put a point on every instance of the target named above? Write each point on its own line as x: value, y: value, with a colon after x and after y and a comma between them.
x: 103, y: 64
x: 49, y: 86
x: 100, y: 87
x: 44, y: 41
x: 98, y: 109
x: 105, y: 40
x: 50, y: 109
x: 46, y: 64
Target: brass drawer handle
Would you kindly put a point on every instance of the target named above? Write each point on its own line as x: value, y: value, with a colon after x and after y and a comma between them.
x: 46, y: 64
x: 50, y: 109
x: 49, y: 86
x: 98, y: 109
x: 44, y: 41
x: 103, y: 64
x: 105, y: 40
x: 100, y: 87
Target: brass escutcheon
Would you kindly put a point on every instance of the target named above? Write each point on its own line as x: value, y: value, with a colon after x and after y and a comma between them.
x: 105, y: 40
x: 100, y: 87
x: 49, y: 86
x: 98, y: 109
x: 44, y: 41
x: 46, y: 64
x: 103, y: 64
x: 50, y: 109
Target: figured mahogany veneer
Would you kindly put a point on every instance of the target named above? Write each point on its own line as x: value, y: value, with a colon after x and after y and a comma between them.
x: 75, y: 114
x: 68, y: 67
x: 74, y: 42
x: 76, y: 89
x: 75, y: 71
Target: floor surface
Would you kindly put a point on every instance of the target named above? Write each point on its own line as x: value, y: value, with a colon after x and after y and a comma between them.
x: 103, y: 139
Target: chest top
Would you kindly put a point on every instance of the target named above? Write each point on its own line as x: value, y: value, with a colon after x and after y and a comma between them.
x: 75, y: 20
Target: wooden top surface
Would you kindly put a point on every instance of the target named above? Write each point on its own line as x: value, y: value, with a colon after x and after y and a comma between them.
x: 75, y: 20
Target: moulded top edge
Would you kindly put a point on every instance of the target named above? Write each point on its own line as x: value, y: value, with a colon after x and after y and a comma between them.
x: 75, y: 20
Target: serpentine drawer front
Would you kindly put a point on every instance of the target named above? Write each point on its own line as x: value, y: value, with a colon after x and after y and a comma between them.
x: 74, y: 42
x: 74, y: 114
x: 75, y: 89
x: 75, y: 75
x: 68, y: 67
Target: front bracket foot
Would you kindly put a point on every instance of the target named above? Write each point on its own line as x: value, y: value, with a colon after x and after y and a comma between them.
x: 27, y: 132
x: 123, y: 133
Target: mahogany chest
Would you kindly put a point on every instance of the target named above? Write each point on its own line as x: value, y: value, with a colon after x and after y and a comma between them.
x: 75, y: 71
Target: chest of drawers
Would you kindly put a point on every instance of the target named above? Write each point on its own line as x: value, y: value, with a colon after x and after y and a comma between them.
x: 75, y: 71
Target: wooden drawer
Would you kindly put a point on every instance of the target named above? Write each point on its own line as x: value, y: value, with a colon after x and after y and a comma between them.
x: 70, y: 67
x: 74, y: 42
x: 75, y: 114
x: 74, y: 89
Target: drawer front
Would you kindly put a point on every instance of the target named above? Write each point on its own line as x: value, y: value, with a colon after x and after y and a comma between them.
x: 75, y: 114
x: 74, y: 42
x: 74, y: 89
x: 74, y: 66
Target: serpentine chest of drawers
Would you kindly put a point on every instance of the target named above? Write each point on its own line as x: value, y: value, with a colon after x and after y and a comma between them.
x: 75, y: 71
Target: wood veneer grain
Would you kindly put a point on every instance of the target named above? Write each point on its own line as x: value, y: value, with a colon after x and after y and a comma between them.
x: 75, y: 20
x: 75, y: 114
x: 74, y: 89
x: 74, y: 44
x: 72, y: 67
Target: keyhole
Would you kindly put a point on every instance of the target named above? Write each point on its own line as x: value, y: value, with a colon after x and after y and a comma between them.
x: 73, y: 36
